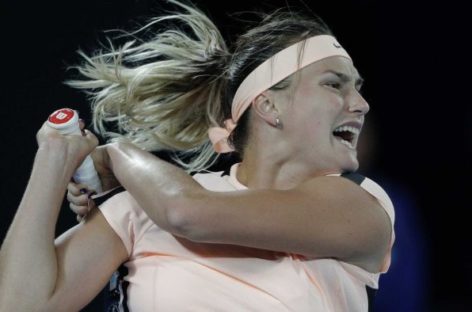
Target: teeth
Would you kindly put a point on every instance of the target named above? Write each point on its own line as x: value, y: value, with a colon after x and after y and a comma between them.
x: 352, y: 130
x: 347, y: 128
x: 346, y: 143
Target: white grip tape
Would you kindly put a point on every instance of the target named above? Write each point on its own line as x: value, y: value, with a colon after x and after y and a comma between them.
x: 86, y: 174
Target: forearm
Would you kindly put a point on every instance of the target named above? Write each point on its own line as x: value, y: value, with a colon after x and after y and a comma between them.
x: 160, y: 188
x: 28, y: 262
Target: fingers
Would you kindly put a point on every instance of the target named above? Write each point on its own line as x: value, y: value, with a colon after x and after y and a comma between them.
x: 79, y: 199
x: 82, y: 126
x: 77, y: 145
x: 44, y: 132
x: 82, y: 211
x: 79, y: 193
x: 76, y: 189
x: 91, y: 138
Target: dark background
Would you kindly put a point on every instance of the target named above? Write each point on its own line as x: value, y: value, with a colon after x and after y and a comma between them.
x: 414, y: 58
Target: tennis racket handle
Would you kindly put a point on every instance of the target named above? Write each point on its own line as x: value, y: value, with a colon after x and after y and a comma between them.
x: 66, y: 121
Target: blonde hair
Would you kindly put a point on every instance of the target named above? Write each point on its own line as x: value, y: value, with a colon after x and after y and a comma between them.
x: 161, y: 94
x: 165, y: 93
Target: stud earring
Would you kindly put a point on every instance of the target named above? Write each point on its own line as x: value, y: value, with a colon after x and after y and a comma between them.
x: 278, y: 123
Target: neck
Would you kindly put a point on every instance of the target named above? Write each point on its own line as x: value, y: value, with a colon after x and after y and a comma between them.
x: 275, y: 168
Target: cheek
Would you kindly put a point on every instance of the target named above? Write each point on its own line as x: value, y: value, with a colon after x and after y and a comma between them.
x: 311, y: 128
x: 314, y: 126
x: 331, y: 103
x: 315, y: 111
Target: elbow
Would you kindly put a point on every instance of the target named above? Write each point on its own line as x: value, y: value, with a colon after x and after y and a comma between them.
x: 185, y: 219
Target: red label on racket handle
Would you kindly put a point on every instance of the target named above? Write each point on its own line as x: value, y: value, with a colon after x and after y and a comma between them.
x: 61, y: 116
x: 65, y: 120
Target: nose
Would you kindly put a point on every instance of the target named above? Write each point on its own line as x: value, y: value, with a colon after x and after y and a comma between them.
x: 358, y: 104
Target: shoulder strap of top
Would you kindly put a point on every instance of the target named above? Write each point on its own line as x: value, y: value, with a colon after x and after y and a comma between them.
x: 101, y: 198
x: 354, y: 177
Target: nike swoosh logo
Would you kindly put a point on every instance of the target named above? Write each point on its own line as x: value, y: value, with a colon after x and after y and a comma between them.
x: 336, y: 45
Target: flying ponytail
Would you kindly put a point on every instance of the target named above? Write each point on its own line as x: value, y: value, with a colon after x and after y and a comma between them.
x: 161, y: 94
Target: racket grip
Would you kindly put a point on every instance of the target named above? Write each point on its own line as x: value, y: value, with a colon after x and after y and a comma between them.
x: 66, y: 121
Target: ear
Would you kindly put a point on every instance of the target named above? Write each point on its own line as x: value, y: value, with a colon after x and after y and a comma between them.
x: 263, y: 106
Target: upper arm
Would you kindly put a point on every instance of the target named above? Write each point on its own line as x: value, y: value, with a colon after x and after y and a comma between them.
x: 87, y: 255
x: 323, y: 217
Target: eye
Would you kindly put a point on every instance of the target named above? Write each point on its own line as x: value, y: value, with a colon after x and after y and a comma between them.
x: 334, y: 85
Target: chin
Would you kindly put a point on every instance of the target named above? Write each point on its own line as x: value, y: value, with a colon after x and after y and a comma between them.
x: 350, y: 166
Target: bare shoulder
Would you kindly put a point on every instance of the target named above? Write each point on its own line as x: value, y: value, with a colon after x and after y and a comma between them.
x: 357, y: 214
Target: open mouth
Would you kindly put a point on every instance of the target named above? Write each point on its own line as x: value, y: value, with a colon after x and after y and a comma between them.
x: 346, y: 135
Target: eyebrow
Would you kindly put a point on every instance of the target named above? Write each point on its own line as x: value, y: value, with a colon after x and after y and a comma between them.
x: 346, y: 78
